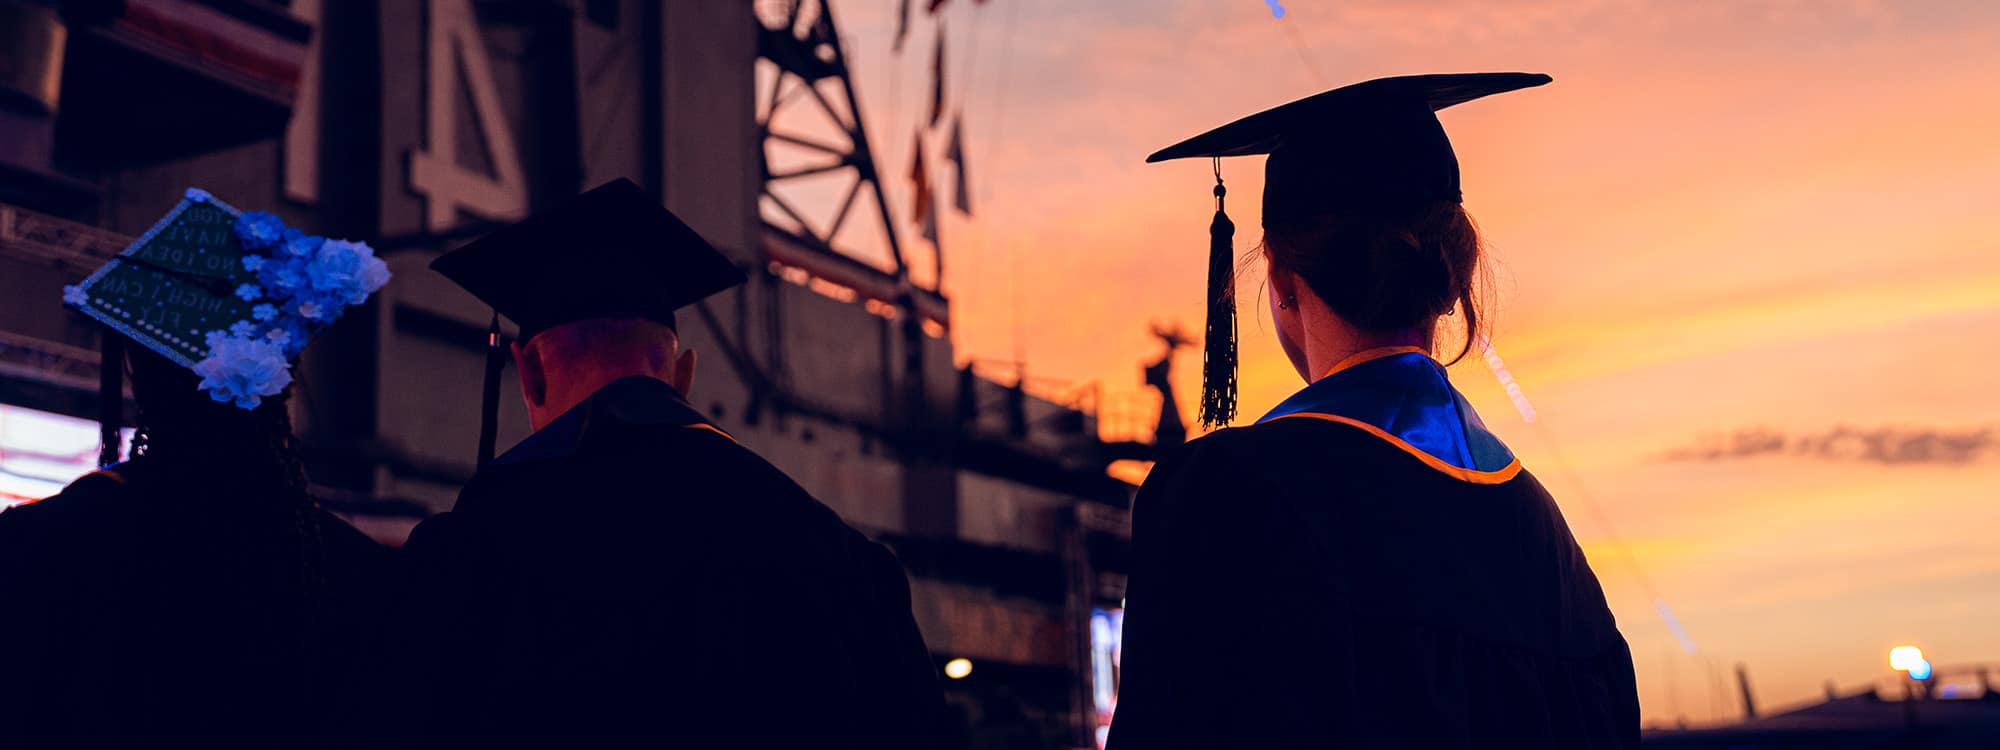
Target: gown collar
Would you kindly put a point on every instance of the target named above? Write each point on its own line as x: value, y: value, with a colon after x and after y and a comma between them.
x: 635, y: 400
x: 1401, y: 395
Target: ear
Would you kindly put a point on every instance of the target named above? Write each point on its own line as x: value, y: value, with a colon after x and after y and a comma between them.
x: 534, y: 382
x: 1284, y: 285
x: 682, y: 378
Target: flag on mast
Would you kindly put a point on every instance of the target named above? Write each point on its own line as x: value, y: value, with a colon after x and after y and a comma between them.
x: 937, y: 79
x: 956, y: 153
x: 902, y: 25
x: 923, y: 208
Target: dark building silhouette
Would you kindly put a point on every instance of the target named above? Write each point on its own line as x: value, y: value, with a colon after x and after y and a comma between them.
x: 1955, y: 708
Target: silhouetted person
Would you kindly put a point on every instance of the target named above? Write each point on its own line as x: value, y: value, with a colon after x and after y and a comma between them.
x: 629, y: 575
x: 194, y: 596
x: 1366, y: 565
x: 1169, y: 429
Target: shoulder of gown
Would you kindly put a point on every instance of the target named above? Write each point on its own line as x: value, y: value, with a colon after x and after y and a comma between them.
x: 83, y: 498
x: 42, y: 542
x: 1321, y: 535
x: 42, y: 545
x: 668, y: 519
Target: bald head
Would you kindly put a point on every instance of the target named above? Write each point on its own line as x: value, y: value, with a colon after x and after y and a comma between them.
x: 563, y: 365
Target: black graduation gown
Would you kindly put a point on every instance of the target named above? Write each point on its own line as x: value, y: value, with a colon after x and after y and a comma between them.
x: 1323, y: 582
x: 629, y: 575
x: 134, y: 614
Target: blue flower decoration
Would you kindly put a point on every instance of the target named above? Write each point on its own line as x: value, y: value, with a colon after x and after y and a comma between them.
x: 259, y: 230
x: 337, y: 269
x: 347, y: 272
x: 300, y: 244
x: 280, y: 274
x: 304, y: 283
x: 243, y: 370
x: 296, y: 333
x: 74, y: 295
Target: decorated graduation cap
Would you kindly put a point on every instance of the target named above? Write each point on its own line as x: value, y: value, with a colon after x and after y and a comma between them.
x: 232, y: 296
x: 1369, y: 147
x: 612, y: 252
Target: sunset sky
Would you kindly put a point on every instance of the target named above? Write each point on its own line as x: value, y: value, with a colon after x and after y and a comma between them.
x: 1721, y: 216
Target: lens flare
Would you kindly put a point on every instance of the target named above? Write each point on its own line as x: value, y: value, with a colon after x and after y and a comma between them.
x: 1506, y: 378
x: 1920, y: 670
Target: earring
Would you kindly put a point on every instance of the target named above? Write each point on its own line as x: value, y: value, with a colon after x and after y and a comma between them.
x: 1287, y: 305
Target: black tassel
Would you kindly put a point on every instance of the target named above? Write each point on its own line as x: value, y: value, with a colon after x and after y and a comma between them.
x: 1218, y: 363
x: 489, y: 404
x: 110, y: 395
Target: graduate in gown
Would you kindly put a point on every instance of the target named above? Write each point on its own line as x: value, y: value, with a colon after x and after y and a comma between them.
x: 629, y: 575
x: 195, y: 596
x: 1366, y: 565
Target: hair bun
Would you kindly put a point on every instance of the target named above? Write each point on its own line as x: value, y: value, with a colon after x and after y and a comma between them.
x: 1407, y: 284
x: 1385, y: 273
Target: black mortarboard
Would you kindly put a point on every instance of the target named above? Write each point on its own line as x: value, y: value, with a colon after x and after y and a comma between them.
x: 612, y: 252
x: 1371, y: 146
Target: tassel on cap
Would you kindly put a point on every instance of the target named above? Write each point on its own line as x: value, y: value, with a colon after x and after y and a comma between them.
x: 1218, y: 363
x: 489, y: 405
x: 110, y: 396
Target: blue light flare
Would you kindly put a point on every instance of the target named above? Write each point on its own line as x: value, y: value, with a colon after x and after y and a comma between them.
x: 1921, y: 670
x: 1674, y: 624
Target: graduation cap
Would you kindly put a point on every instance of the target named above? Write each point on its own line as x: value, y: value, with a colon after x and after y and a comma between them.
x: 1369, y: 147
x: 612, y: 252
x: 233, y: 296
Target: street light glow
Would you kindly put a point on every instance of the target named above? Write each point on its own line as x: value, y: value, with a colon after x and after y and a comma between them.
x: 1905, y: 658
x: 957, y: 669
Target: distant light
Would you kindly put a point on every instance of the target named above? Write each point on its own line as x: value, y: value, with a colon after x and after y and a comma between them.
x: 1905, y: 658
x: 958, y: 669
x: 1674, y: 624
x: 1920, y: 671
